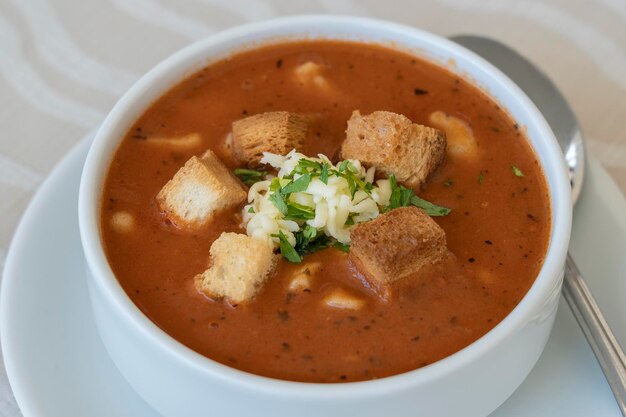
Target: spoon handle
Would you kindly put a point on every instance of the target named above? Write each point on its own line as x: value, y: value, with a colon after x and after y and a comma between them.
x: 597, y: 331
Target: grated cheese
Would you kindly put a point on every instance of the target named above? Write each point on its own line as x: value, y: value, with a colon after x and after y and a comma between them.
x: 335, y: 206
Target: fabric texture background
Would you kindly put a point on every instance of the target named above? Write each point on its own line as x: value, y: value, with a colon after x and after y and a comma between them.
x: 64, y: 63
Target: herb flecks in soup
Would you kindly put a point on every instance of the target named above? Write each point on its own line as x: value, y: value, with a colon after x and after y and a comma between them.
x: 427, y: 247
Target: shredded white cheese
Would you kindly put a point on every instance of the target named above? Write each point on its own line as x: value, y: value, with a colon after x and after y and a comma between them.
x: 331, y: 203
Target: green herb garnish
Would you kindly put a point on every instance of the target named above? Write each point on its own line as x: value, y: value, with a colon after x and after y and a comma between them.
x: 404, y: 197
x: 308, y: 232
x: 308, y: 240
x: 344, y: 165
x: 518, y: 172
x: 249, y: 176
x: 324, y: 174
x: 430, y: 208
x: 297, y: 211
x: 286, y: 250
x: 481, y: 177
x: 275, y: 185
x: 304, y: 165
x: 400, y: 196
x: 279, y: 201
x: 298, y: 185
x: 448, y: 183
x: 342, y: 246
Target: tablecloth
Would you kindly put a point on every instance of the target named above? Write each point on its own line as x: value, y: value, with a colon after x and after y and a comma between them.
x: 64, y: 63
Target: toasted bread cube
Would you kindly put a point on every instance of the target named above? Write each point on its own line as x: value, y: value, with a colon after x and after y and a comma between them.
x: 342, y: 299
x: 240, y: 265
x: 122, y: 221
x: 199, y: 189
x: 277, y: 132
x: 181, y: 143
x: 311, y: 74
x: 394, y: 145
x: 395, y: 245
x: 302, y: 280
x: 459, y: 134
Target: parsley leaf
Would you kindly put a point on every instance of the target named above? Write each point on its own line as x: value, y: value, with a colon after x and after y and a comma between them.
x: 286, y: 250
x: 308, y: 240
x: 404, y: 197
x: 342, y: 247
x: 481, y: 177
x: 309, y: 232
x: 297, y: 211
x: 306, y: 164
x: 278, y: 199
x: 351, y: 185
x: 249, y: 176
x: 298, y: 185
x: 431, y: 209
x: 275, y: 185
x: 324, y: 175
x: 518, y: 172
x: 343, y: 166
x: 401, y: 197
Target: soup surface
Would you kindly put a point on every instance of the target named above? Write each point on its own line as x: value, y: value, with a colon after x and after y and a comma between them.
x: 497, y: 231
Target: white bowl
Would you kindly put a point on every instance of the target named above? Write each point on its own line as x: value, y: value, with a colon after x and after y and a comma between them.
x: 177, y: 381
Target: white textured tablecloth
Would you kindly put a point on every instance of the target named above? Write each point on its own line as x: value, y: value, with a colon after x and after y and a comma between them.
x: 64, y: 63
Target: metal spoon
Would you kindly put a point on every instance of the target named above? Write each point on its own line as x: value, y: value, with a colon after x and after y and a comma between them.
x: 563, y: 122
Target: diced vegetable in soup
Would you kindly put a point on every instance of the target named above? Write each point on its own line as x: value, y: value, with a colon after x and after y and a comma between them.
x: 325, y: 211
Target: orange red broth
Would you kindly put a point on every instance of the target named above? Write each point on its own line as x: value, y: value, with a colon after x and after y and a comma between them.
x: 498, y: 229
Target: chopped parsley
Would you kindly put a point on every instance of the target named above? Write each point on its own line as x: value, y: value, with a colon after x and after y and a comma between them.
x: 249, y: 176
x: 481, y: 177
x: 297, y: 201
x: 308, y: 240
x: 404, y: 197
x: 518, y: 172
x: 286, y: 250
x: 430, y: 208
x: 342, y: 247
x: 278, y: 198
x: 298, y: 185
x: 448, y: 183
x: 324, y: 173
x: 306, y: 165
x: 297, y: 211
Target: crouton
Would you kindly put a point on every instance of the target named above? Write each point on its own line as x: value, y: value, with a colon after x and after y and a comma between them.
x: 461, y: 141
x: 302, y: 280
x: 202, y: 187
x: 342, y: 299
x: 277, y: 132
x: 180, y: 143
x: 394, y: 145
x: 311, y: 74
x: 395, y: 245
x: 240, y: 265
x: 122, y: 221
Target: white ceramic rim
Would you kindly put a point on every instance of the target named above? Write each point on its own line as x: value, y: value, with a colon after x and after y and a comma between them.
x: 101, y: 152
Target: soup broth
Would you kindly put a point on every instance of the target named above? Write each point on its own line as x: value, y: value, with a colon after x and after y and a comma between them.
x: 497, y: 232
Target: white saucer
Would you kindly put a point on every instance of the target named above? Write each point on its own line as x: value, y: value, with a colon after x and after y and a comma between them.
x: 57, y: 365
